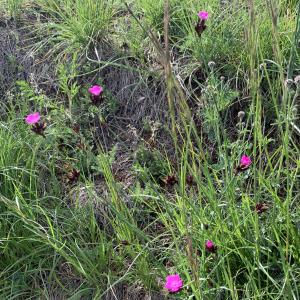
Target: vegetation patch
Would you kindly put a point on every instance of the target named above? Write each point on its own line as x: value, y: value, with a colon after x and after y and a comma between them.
x: 149, y: 149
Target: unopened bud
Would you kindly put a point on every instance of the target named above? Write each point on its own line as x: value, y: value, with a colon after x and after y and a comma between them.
x: 211, y: 65
x: 288, y: 83
x: 241, y: 115
x: 262, y: 66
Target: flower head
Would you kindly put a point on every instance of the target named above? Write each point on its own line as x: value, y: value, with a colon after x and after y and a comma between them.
x: 173, y: 283
x: 33, y: 118
x: 203, y: 15
x: 210, y: 246
x: 200, y: 27
x: 95, y: 90
x: 261, y: 207
x: 245, y: 162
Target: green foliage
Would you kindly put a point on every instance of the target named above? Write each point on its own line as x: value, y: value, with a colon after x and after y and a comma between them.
x: 80, y: 239
x: 12, y: 7
x: 217, y: 97
x: 150, y: 164
x: 76, y: 24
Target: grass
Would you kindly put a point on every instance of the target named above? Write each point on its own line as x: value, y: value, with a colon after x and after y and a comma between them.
x: 150, y: 194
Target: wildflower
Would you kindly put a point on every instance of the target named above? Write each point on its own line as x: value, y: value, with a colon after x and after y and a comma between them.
x: 245, y: 162
x: 173, y: 283
x: 73, y: 175
x: 95, y: 90
x: 261, y: 207
x: 200, y: 27
x: 203, y: 15
x: 32, y: 118
x: 170, y: 180
x: 210, y: 246
x: 96, y: 94
x: 37, y: 126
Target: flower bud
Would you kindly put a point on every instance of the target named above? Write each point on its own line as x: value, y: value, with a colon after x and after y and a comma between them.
x: 241, y: 115
x: 288, y: 83
x: 211, y: 65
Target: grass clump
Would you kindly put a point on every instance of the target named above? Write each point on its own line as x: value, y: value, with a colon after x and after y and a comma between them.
x: 73, y: 27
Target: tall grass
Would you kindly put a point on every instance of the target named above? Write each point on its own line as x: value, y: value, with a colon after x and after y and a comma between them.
x: 12, y: 7
x: 73, y: 27
x: 79, y: 242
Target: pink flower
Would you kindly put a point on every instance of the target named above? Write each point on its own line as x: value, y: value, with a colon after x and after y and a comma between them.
x: 173, y: 283
x: 200, y: 27
x: 245, y: 162
x: 95, y: 90
x: 203, y: 15
x: 210, y: 246
x: 33, y: 118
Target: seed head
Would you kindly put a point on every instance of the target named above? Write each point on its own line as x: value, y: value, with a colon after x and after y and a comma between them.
x: 297, y: 80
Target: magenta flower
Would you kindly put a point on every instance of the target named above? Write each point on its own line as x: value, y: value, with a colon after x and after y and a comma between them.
x: 96, y: 94
x: 173, y: 283
x: 245, y: 162
x: 201, y: 26
x: 96, y: 90
x: 203, y: 15
x: 210, y: 246
x: 33, y: 118
x: 37, y: 126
